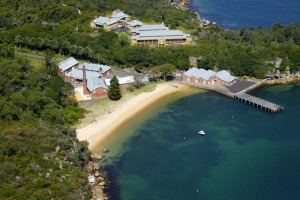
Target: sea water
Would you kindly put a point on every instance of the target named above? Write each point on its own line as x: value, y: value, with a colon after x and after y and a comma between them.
x: 233, y: 14
x: 247, y: 153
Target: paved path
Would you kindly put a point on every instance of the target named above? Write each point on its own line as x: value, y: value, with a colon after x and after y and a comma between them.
x: 216, y: 88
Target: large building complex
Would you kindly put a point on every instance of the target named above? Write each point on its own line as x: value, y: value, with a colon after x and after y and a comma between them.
x: 158, y: 34
x: 150, y: 34
x: 92, y: 77
x: 92, y: 80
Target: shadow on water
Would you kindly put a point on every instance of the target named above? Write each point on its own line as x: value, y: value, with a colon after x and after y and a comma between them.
x: 112, y: 188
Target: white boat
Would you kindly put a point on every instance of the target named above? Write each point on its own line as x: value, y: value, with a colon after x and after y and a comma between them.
x: 201, y: 132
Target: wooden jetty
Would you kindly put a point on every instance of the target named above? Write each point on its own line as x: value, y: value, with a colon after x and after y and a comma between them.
x: 241, y: 95
x: 263, y: 104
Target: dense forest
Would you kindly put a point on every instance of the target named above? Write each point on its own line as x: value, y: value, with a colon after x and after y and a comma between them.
x: 40, y: 157
x: 39, y: 153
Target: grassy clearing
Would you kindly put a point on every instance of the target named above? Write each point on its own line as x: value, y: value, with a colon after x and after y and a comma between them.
x: 146, y: 88
x: 36, y: 63
x: 36, y: 58
x: 185, y: 30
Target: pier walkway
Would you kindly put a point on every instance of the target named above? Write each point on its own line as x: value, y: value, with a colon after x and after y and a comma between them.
x: 238, y: 91
x: 263, y: 104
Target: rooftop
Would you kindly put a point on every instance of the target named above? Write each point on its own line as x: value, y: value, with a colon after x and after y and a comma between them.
x: 119, y: 15
x: 135, y: 23
x: 67, y: 64
x: 207, y: 74
x: 150, y: 27
x: 92, y: 77
x: 78, y: 74
x: 94, y: 82
x: 191, y: 71
x: 122, y: 80
x: 160, y: 34
x: 225, y: 76
x: 104, y: 20
x: 95, y: 67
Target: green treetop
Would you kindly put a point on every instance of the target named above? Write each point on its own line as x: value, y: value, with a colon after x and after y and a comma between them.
x: 114, y: 92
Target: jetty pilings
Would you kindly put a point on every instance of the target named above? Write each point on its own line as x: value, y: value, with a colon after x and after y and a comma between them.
x: 263, y: 104
x: 241, y: 96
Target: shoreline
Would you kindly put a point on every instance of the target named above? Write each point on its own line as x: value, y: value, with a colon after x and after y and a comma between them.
x: 182, y: 4
x: 98, y: 132
x: 106, y: 124
x: 186, y: 5
x: 291, y: 80
x: 109, y: 120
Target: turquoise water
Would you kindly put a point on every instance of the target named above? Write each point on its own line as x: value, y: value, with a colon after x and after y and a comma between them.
x: 233, y: 14
x: 254, y: 155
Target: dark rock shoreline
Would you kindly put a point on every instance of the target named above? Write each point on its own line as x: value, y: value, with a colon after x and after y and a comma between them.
x: 181, y: 4
x: 184, y: 5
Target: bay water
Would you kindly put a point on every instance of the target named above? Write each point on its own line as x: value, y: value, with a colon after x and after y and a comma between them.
x: 247, y: 153
x: 233, y: 14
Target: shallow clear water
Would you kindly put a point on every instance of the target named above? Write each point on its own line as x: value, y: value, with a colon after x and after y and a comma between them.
x: 254, y: 155
x: 233, y: 14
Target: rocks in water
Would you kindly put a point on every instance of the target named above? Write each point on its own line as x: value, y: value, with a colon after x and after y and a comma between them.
x: 97, y: 174
x: 105, y: 150
x: 102, y: 183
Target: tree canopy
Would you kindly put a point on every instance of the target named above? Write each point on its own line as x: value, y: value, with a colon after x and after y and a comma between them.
x: 114, y: 92
x: 39, y: 152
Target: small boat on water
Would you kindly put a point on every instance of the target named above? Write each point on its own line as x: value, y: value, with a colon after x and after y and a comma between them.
x: 201, y: 132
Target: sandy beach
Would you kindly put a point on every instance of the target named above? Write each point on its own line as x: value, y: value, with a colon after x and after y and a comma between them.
x: 95, y: 133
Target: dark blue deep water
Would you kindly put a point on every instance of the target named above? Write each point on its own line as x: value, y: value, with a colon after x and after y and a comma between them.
x: 233, y: 14
x: 253, y: 156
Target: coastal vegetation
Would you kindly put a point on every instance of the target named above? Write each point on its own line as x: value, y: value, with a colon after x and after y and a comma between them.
x: 39, y: 152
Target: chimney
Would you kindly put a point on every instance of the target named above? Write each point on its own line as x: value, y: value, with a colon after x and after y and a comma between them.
x: 85, y: 89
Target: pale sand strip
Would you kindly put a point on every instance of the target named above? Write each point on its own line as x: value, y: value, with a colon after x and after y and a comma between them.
x: 96, y: 133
